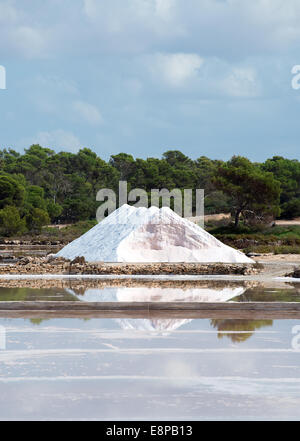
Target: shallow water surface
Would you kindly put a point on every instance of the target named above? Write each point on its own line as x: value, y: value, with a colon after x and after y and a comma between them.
x: 151, y: 368
x: 134, y: 369
x: 207, y: 292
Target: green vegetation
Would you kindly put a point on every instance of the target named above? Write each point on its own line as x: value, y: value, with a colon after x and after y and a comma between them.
x: 34, y: 294
x: 259, y: 239
x: 258, y: 294
x: 237, y: 325
x: 10, y: 221
x: 65, y: 234
x: 287, y: 172
x: 251, y: 191
x: 41, y: 187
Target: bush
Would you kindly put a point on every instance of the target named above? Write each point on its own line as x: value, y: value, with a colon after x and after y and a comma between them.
x: 11, y: 192
x: 10, y: 221
x: 286, y: 249
x: 54, y: 210
x: 291, y: 209
x: 36, y: 219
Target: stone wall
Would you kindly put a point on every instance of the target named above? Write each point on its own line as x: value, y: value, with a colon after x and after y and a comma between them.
x: 51, y: 265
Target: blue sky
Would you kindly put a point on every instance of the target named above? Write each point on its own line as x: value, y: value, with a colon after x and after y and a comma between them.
x: 208, y: 77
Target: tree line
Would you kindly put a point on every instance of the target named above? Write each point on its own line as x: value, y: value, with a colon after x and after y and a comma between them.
x: 40, y: 186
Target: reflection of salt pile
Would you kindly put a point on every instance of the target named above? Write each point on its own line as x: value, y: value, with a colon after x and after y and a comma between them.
x: 170, y: 295
x: 153, y: 325
x: 177, y: 295
x: 159, y: 295
x: 132, y: 234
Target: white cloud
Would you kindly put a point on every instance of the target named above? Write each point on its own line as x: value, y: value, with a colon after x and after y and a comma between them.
x: 20, y: 33
x: 57, y: 140
x: 52, y: 94
x: 209, y: 27
x: 165, y: 8
x: 61, y: 98
x: 196, y: 26
x: 54, y: 84
x: 29, y: 41
x: 194, y: 77
x: 241, y: 82
x: 130, y: 26
x: 167, y: 71
x: 129, y: 11
x: 8, y: 13
x: 87, y: 112
x: 174, y: 69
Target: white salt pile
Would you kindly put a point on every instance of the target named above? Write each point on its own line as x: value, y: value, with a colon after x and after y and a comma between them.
x: 132, y: 234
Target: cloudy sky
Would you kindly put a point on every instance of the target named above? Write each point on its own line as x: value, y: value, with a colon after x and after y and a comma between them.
x: 208, y: 77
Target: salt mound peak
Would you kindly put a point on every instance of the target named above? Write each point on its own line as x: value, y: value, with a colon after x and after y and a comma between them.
x: 132, y: 234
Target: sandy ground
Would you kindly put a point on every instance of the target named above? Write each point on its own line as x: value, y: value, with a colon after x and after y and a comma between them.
x: 59, y: 226
x: 284, y: 258
x: 276, y: 265
x: 220, y: 216
x: 209, y: 217
x: 295, y: 221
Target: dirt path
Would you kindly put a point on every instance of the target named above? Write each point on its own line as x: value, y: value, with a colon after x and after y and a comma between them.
x: 287, y: 223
